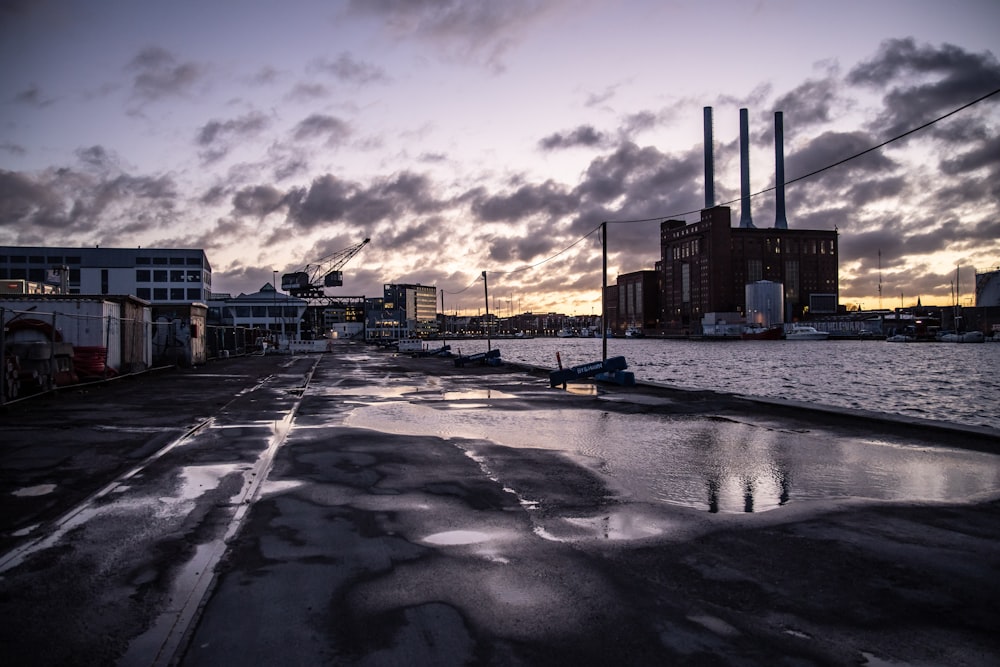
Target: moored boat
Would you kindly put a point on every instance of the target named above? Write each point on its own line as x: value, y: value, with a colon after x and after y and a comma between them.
x: 801, y: 332
x: 964, y: 337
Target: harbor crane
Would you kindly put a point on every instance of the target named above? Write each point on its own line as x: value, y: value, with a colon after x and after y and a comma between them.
x: 312, y: 280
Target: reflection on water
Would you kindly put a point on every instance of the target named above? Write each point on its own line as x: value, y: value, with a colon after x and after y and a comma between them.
x: 712, y: 464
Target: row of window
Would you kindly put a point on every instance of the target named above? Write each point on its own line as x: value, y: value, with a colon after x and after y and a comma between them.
x: 56, y: 260
x: 173, y: 261
x: 171, y: 294
x: 172, y: 276
x: 52, y: 260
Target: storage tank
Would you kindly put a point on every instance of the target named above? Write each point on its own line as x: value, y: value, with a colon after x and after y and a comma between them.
x: 765, y: 302
x: 988, y: 288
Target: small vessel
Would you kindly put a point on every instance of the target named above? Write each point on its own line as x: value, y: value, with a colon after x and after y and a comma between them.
x: 566, y: 332
x: 901, y: 338
x: 760, y: 332
x: 800, y: 332
x: 634, y: 332
x: 965, y: 337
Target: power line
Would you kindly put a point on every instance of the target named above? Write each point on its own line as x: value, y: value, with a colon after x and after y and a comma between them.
x: 755, y: 194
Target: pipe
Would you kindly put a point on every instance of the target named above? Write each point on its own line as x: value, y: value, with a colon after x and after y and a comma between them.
x: 709, y: 161
x: 780, y: 221
x: 745, y: 220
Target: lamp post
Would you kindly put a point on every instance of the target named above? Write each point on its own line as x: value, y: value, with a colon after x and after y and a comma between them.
x: 274, y: 295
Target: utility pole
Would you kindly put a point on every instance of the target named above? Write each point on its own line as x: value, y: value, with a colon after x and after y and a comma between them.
x: 486, y: 292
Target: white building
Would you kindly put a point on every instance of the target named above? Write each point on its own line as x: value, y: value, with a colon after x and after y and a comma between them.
x: 156, y: 275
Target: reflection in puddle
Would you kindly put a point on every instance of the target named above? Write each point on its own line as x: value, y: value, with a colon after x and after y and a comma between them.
x: 457, y: 537
x: 580, y: 389
x: 710, y: 464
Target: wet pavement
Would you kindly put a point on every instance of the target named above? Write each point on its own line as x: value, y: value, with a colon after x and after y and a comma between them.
x: 361, y: 508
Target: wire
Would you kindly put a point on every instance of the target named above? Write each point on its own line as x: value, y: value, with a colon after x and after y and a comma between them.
x: 755, y: 194
x: 829, y: 166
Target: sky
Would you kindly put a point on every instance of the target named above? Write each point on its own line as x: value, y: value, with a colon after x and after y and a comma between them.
x: 467, y: 136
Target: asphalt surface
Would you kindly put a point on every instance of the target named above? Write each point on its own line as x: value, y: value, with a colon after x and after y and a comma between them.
x: 232, y: 515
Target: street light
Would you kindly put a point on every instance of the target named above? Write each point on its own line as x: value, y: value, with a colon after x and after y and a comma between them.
x: 274, y: 295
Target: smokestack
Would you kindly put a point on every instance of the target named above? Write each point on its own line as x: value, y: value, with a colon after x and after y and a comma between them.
x: 745, y: 220
x: 780, y: 222
x: 709, y: 161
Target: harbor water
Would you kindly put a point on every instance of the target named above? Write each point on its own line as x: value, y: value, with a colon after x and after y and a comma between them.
x: 941, y: 381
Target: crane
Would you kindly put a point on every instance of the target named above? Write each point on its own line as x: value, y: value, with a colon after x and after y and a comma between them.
x: 325, y: 272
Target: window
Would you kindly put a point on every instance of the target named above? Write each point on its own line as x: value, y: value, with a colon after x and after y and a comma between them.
x: 55, y: 259
x: 37, y: 259
x: 160, y: 276
x: 18, y: 259
x: 142, y: 275
x: 193, y: 276
x: 176, y: 276
x: 141, y: 260
x: 159, y: 260
x: 176, y: 294
x: 194, y: 294
x: 37, y: 275
x: 194, y: 261
x: 159, y: 293
x: 174, y: 261
x: 72, y: 260
x: 143, y: 293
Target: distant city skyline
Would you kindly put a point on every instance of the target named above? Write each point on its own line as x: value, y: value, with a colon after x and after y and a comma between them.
x: 470, y: 136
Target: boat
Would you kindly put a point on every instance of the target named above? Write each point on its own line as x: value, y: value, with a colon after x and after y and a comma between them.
x: 566, y: 332
x: 965, y: 337
x: 901, y: 338
x: 634, y: 332
x: 799, y: 332
x: 760, y: 332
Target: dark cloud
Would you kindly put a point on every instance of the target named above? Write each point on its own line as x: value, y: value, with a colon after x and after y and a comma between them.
x: 548, y: 199
x: 330, y: 199
x: 347, y: 69
x: 258, y: 200
x: 13, y: 149
x: 832, y: 147
x: 240, y: 128
x: 158, y: 74
x: 330, y: 129
x: 585, y: 135
x: 922, y: 82
x: 814, y: 102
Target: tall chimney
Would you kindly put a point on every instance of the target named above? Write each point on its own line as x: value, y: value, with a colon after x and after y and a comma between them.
x: 709, y: 161
x: 780, y: 222
x: 745, y: 220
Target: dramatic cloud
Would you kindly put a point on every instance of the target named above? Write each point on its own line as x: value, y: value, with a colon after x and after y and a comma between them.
x: 347, y: 69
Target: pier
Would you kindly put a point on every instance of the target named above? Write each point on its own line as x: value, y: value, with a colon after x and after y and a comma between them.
x: 342, y: 508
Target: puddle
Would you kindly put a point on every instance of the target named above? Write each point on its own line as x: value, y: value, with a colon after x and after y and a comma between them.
x: 475, y: 395
x: 458, y: 537
x: 31, y: 491
x: 709, y: 464
x: 582, y: 389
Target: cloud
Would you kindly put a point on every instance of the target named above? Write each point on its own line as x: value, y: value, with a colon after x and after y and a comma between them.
x: 158, y: 74
x: 922, y: 82
x: 216, y: 137
x: 32, y: 96
x: 348, y: 69
x: 584, y: 135
x: 467, y: 32
x: 318, y: 126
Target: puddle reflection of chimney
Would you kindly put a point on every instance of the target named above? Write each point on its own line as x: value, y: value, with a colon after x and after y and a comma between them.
x: 713, y: 494
x: 748, y: 495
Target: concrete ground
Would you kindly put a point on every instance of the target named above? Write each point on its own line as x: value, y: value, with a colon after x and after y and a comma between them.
x: 232, y: 515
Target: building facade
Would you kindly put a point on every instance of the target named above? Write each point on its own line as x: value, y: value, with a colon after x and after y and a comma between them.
x: 157, y: 275
x: 706, y: 265
x: 638, y: 301
x: 409, y: 309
